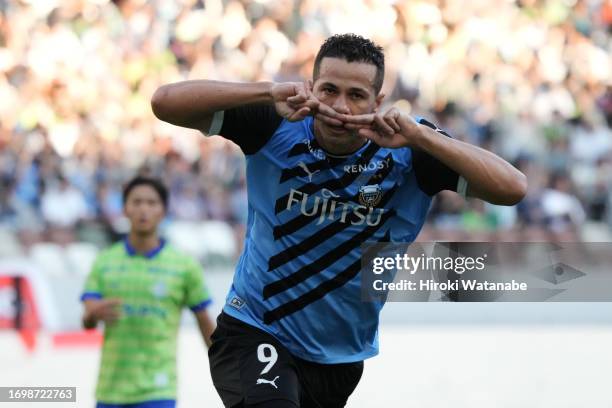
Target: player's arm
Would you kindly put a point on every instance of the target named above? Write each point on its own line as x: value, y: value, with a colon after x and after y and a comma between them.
x: 198, y: 299
x: 96, y: 310
x: 206, y: 325
x: 96, y: 307
x: 194, y: 103
x: 484, y: 174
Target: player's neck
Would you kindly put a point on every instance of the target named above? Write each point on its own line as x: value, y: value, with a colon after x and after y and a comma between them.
x: 143, y: 243
x: 344, y: 151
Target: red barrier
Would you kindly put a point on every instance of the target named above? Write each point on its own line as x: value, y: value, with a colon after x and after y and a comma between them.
x: 19, y: 309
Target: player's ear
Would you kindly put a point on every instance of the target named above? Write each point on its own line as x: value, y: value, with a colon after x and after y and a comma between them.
x: 378, y: 101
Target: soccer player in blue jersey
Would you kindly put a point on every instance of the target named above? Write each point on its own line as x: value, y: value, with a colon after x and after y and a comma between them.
x: 326, y: 171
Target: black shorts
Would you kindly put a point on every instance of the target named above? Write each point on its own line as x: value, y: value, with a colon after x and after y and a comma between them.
x: 249, y: 367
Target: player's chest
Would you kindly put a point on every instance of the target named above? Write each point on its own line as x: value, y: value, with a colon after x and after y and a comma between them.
x: 141, y: 281
x: 356, y: 192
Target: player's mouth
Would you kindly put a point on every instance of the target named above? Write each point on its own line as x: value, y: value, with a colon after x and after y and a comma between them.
x: 337, y: 130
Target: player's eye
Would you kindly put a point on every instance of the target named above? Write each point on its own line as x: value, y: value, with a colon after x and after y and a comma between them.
x: 329, y: 91
x: 356, y: 96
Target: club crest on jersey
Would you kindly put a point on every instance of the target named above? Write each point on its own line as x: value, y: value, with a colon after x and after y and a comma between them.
x: 159, y: 290
x: 370, y: 195
x: 161, y: 380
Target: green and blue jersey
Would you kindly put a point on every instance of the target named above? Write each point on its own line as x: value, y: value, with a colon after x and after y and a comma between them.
x: 139, y: 352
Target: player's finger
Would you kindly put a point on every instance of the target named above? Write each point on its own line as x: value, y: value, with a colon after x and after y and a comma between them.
x: 353, y: 126
x: 366, y: 119
x: 391, y: 118
x: 300, y: 90
x: 110, y: 304
x: 318, y: 105
x: 382, y: 125
x: 406, y: 121
x: 308, y: 88
x: 111, y: 318
x: 329, y: 111
x: 299, y: 114
x: 297, y: 99
x: 321, y: 107
x: 393, y: 124
x: 109, y: 311
x: 313, y: 104
x: 327, y: 120
x: 307, y: 92
x: 390, y: 121
x: 110, y: 314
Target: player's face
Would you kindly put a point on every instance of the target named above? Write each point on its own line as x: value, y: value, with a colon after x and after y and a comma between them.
x: 144, y: 209
x: 348, y: 87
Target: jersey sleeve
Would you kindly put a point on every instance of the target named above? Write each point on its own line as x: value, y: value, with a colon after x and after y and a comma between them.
x: 432, y: 175
x: 93, y: 287
x: 197, y: 296
x: 249, y: 126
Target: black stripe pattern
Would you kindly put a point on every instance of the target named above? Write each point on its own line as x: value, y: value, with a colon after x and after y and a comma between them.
x: 332, y: 184
x: 319, y: 292
x: 324, y: 234
x: 326, y: 260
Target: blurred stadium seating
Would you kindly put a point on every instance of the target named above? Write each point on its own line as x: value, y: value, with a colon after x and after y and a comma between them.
x: 528, y: 79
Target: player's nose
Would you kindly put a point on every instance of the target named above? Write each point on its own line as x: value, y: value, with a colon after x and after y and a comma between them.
x: 340, y: 105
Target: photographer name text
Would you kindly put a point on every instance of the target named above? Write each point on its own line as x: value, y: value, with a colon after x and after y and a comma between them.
x: 432, y: 285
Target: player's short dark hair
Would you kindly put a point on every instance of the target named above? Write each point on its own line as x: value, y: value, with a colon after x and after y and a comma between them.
x: 353, y: 48
x: 154, y: 183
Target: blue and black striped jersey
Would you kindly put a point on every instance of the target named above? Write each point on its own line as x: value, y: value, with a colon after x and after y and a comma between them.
x: 309, y: 212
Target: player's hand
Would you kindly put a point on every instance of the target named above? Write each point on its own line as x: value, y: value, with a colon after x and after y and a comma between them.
x: 295, y: 100
x: 391, y: 128
x: 318, y: 109
x: 106, y: 310
x: 280, y: 94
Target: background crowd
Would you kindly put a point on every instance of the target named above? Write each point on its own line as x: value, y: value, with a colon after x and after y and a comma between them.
x: 530, y: 80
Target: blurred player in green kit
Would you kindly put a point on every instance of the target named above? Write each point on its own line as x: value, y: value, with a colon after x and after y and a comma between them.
x: 138, y: 288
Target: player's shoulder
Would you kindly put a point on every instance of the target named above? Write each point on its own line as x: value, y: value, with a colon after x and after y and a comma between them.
x: 302, y: 127
x: 407, y: 155
x: 176, y: 255
x: 287, y: 135
x: 113, y: 251
x: 171, y: 251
